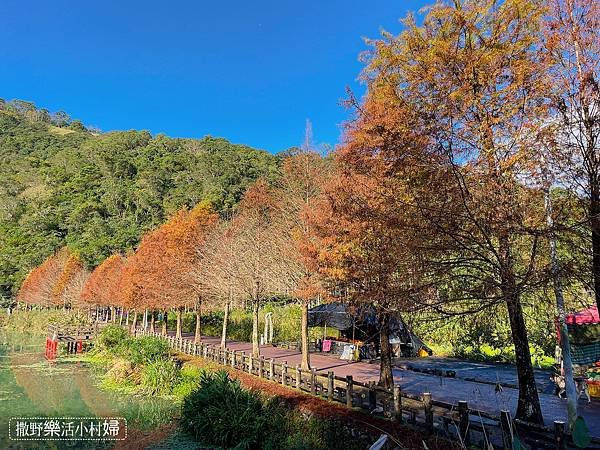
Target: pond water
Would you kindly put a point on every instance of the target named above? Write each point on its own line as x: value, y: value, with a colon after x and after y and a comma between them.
x: 30, y: 386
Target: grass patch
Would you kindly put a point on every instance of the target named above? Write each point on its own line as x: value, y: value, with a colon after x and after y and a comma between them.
x: 36, y: 321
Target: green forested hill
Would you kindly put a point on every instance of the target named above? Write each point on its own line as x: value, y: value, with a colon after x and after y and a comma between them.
x: 62, y: 184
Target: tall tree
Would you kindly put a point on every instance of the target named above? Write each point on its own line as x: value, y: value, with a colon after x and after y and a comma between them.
x: 572, y: 51
x: 303, y: 175
x: 102, y: 287
x: 368, y: 245
x: 259, y: 246
x: 467, y: 80
x: 218, y: 272
x: 38, y: 287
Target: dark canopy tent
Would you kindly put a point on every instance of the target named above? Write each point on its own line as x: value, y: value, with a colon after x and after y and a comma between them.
x: 363, y: 325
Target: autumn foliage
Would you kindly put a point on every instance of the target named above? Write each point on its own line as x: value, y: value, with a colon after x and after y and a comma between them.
x: 103, y: 286
x: 161, y: 273
x: 58, y: 281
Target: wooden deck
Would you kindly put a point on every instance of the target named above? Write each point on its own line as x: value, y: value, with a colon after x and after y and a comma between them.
x: 70, y: 333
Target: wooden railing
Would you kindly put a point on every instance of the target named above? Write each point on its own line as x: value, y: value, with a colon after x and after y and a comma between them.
x: 74, y: 332
x: 457, y: 421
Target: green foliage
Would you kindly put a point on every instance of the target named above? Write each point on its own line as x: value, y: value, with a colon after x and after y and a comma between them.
x: 144, y: 350
x: 486, y: 336
x: 99, y: 193
x: 221, y: 413
x: 189, y: 377
x: 111, y: 338
x: 36, y: 321
x: 159, y: 377
x: 286, y: 323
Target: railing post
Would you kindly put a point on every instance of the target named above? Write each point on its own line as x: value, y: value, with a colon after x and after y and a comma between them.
x: 372, y: 396
x: 298, y: 377
x: 330, y: 386
x: 397, y: 403
x: 428, y: 410
x: 271, y: 369
x: 463, y: 412
x: 506, y: 427
x: 250, y: 363
x: 313, y: 381
x: 349, y: 390
x: 243, y: 361
x: 559, y: 434
x: 205, y: 352
x: 284, y: 373
x: 261, y: 366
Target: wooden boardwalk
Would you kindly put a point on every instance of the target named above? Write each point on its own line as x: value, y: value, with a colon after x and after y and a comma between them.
x: 481, y: 396
x: 434, y: 402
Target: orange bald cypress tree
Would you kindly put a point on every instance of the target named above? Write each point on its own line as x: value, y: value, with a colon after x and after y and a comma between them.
x: 56, y: 282
x: 102, y: 287
x: 161, y: 273
x: 69, y: 284
x: 304, y: 175
x: 469, y: 79
x: 259, y: 244
x: 38, y: 286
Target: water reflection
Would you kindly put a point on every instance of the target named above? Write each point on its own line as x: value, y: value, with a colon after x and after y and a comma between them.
x: 30, y: 386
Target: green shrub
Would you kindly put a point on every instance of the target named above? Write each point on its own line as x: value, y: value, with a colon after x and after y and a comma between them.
x: 159, y: 377
x: 221, y: 413
x: 111, y: 338
x: 144, y: 350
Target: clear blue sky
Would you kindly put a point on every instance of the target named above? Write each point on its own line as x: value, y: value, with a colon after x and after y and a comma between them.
x: 250, y: 71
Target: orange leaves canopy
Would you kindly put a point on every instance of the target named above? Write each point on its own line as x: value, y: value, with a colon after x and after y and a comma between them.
x: 102, y: 287
x: 161, y: 273
x: 57, y: 281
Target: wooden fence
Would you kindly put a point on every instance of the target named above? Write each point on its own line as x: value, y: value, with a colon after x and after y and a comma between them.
x: 458, y: 421
x: 73, y: 332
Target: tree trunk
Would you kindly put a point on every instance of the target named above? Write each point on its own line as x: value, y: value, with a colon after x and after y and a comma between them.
x: 133, y: 322
x: 595, y: 225
x: 121, y: 315
x: 164, y: 322
x: 113, y: 317
x: 198, y: 333
x: 528, y: 406
x: 255, y: 346
x: 225, y: 323
x: 386, y: 377
x: 127, y: 318
x: 152, y: 314
x: 571, y: 389
x: 305, y: 364
x: 178, y: 327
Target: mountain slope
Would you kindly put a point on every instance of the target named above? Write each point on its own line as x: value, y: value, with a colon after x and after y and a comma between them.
x: 62, y: 184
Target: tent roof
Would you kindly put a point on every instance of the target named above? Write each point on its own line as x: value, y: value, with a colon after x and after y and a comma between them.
x: 584, y: 317
x: 334, y: 315
x: 338, y: 316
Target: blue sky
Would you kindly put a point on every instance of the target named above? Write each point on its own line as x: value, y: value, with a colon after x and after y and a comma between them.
x: 250, y: 71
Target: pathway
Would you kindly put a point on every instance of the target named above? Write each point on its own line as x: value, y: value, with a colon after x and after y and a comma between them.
x: 481, y: 396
